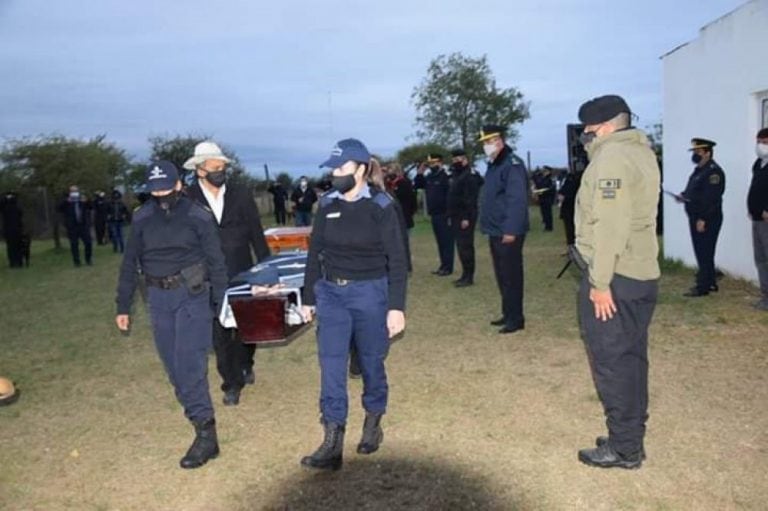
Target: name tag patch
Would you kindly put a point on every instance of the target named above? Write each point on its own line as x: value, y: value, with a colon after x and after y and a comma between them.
x: 336, y: 214
x: 609, y: 184
x: 609, y: 194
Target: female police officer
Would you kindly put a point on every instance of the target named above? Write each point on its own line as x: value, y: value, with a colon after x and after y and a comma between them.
x: 356, y: 275
x: 176, y: 245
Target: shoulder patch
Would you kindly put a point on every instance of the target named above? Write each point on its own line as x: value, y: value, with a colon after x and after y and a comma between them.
x: 609, y: 184
x: 714, y: 179
x: 382, y: 199
x: 325, y: 200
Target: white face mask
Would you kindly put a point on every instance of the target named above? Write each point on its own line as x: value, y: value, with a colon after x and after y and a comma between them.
x: 762, y: 151
x: 489, y: 150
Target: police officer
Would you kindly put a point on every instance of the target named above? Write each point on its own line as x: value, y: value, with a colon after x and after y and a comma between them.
x: 616, y: 238
x: 356, y: 277
x: 175, y: 243
x: 703, y: 199
x: 544, y: 190
x: 76, y: 210
x: 13, y: 229
x: 436, y: 184
x: 504, y: 219
x: 462, y: 212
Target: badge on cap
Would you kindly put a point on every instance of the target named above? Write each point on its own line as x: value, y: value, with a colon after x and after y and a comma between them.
x: 157, y: 173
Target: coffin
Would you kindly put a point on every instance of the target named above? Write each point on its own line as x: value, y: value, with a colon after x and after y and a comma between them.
x: 281, y: 239
x: 269, y: 319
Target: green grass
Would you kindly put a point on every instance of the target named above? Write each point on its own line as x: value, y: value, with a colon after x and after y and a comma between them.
x: 476, y: 420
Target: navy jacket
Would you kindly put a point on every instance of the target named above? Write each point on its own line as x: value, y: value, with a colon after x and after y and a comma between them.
x: 704, y: 192
x: 436, y: 186
x: 164, y: 243
x: 504, y: 208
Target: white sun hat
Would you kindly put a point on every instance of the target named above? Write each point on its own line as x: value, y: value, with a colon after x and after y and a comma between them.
x: 205, y: 151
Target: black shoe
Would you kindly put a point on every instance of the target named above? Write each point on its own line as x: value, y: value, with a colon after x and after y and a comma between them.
x: 603, y: 440
x: 437, y: 271
x: 604, y: 456
x: 330, y: 453
x: 499, y: 322
x: 444, y: 273
x: 248, y: 377
x: 463, y: 283
x: 204, y: 448
x: 695, y: 292
x: 714, y: 288
x: 372, y: 434
x: 512, y: 329
x: 231, y: 397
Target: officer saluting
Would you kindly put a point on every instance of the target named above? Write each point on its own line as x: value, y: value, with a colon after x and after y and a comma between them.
x: 703, y: 199
x: 176, y: 245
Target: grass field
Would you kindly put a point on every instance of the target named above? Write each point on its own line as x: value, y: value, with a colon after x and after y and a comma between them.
x: 476, y: 420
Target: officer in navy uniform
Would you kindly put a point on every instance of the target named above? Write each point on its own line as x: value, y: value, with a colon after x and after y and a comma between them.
x: 175, y: 243
x: 436, y: 185
x: 504, y: 219
x: 703, y: 199
x: 356, y: 277
x: 462, y: 212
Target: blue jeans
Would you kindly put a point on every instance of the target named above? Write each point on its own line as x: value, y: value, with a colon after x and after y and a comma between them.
x: 181, y: 325
x: 116, y: 235
x: 357, y: 310
x: 303, y: 218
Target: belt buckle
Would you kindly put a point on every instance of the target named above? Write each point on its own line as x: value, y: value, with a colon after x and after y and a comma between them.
x: 341, y: 282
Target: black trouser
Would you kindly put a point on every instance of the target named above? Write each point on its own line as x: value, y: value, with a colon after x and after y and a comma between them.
x: 618, y: 357
x: 704, y: 244
x: 444, y: 238
x: 100, y: 226
x: 546, y: 213
x: 280, y: 215
x: 14, y: 244
x: 230, y: 353
x: 465, y: 246
x: 77, y: 233
x: 508, y: 267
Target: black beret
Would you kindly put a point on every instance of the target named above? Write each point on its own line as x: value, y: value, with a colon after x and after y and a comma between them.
x: 458, y: 152
x: 702, y: 143
x: 602, y: 109
x: 490, y: 131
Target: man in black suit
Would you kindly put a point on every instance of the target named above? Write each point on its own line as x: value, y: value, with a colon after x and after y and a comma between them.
x: 241, y: 231
x: 76, y: 211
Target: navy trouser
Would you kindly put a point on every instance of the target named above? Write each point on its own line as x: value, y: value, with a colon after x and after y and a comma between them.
x: 507, y: 259
x: 75, y: 234
x: 618, y: 357
x: 181, y: 324
x: 116, y: 235
x: 704, y: 244
x: 444, y: 237
x: 357, y: 310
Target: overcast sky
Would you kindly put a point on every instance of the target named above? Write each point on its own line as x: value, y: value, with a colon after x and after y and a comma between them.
x: 279, y: 82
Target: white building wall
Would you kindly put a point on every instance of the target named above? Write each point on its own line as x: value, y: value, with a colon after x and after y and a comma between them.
x: 713, y: 88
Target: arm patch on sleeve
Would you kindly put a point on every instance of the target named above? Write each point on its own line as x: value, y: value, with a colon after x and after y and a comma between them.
x: 714, y: 179
x: 609, y: 184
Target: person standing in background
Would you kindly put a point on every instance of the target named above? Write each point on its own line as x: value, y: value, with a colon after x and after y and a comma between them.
x: 757, y: 205
x: 303, y: 198
x: 76, y: 211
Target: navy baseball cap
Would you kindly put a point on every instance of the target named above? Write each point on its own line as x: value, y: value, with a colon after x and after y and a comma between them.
x: 161, y: 175
x: 349, y: 149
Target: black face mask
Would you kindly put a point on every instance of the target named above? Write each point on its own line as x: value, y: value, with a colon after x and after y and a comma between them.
x: 167, y: 202
x: 458, y: 168
x: 696, y: 158
x: 343, y: 184
x: 217, y: 179
x: 587, y: 138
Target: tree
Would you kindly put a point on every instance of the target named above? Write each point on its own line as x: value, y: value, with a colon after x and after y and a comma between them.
x: 179, y: 149
x: 656, y: 136
x: 458, y: 96
x: 416, y: 153
x: 53, y: 163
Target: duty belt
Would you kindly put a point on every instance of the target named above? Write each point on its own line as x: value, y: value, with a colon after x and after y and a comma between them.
x: 338, y: 281
x: 170, y: 282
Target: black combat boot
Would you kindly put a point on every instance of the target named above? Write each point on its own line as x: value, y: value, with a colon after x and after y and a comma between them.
x: 329, y: 455
x: 205, y: 446
x: 372, y: 434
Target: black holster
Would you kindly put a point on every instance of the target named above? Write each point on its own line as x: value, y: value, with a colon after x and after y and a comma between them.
x: 195, y: 278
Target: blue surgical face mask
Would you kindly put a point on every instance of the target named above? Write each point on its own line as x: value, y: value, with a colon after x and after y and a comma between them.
x: 696, y: 158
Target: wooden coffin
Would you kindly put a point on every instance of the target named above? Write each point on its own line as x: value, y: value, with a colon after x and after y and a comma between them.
x: 281, y: 239
x: 262, y: 320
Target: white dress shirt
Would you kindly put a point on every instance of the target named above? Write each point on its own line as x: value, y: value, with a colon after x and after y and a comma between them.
x: 216, y: 203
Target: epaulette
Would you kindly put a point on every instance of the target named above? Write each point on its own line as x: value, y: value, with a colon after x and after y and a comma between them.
x: 515, y: 159
x: 143, y: 211
x: 200, y: 211
x: 383, y: 199
x: 324, y: 199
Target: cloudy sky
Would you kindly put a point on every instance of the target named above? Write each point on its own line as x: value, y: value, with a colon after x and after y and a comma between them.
x: 279, y: 82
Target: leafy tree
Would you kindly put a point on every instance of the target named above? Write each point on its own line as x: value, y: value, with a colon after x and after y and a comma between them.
x: 459, y: 95
x: 179, y: 149
x: 413, y: 154
x: 53, y: 163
